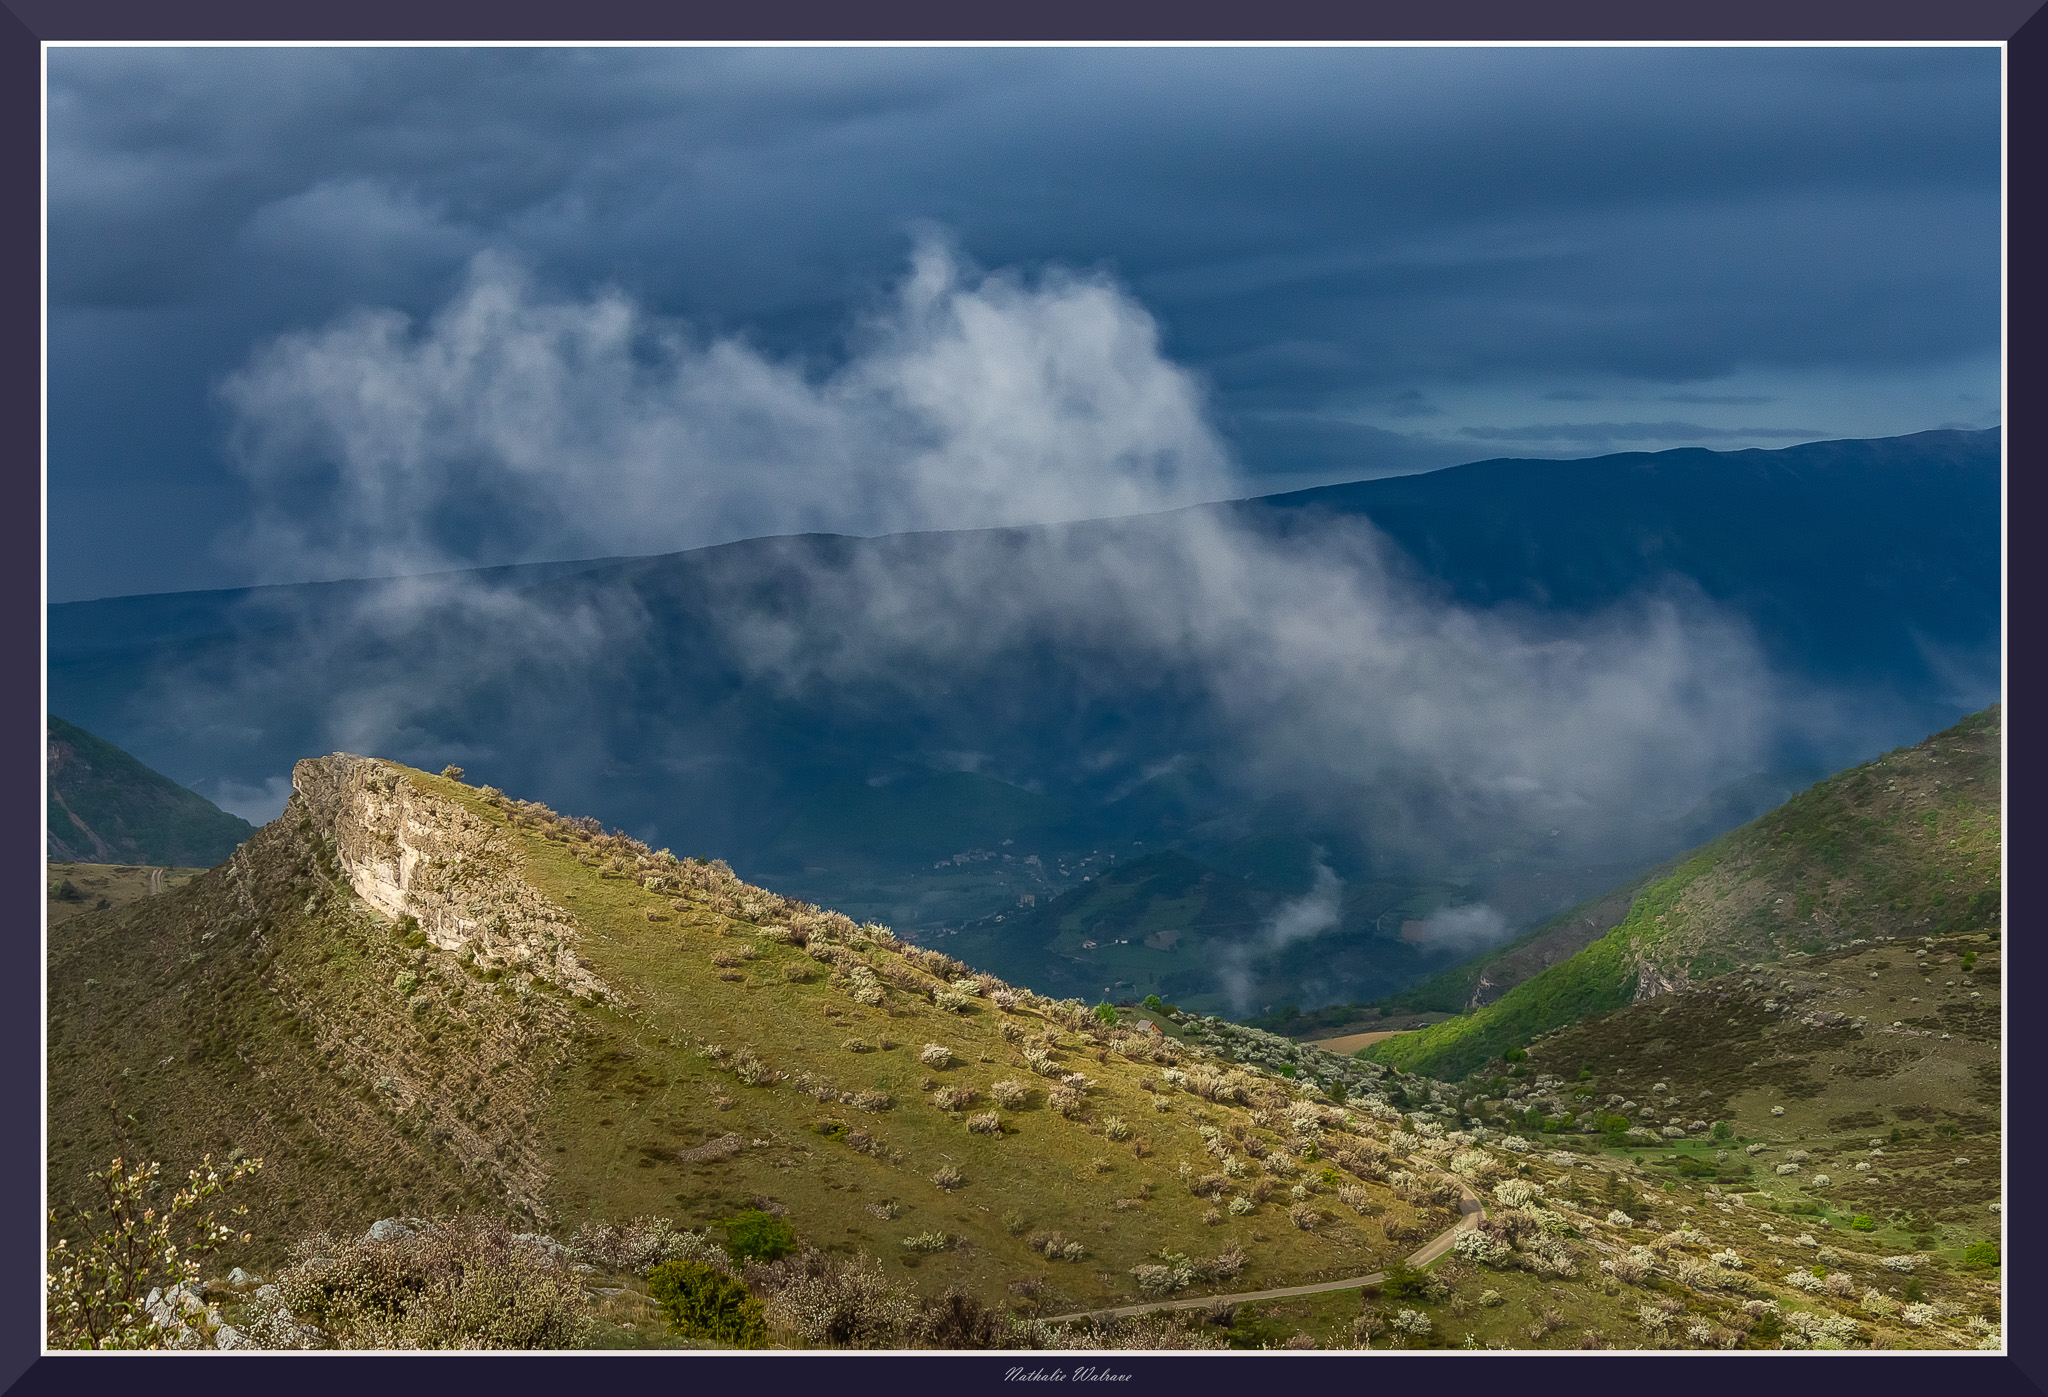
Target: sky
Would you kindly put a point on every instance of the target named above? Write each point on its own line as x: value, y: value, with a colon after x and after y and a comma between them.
x: 319, y: 313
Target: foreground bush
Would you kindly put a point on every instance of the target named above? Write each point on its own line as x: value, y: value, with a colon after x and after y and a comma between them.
x: 706, y: 1304
x: 465, y: 1284
x: 96, y: 1290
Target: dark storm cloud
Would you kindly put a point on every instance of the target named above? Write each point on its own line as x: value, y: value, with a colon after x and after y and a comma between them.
x: 1338, y: 242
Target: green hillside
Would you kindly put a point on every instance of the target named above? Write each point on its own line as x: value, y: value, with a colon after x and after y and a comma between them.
x: 107, y: 807
x: 743, y: 1048
x: 572, y: 1034
x: 1904, y: 845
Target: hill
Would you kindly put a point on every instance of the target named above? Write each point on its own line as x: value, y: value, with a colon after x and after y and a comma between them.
x: 107, y: 807
x: 410, y: 996
x: 1908, y: 844
x: 864, y: 723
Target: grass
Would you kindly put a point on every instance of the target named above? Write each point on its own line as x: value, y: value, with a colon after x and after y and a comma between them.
x: 96, y: 886
x: 259, y: 1007
x: 1908, y: 844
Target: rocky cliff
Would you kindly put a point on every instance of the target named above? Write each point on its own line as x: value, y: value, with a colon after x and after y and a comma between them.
x: 407, y: 852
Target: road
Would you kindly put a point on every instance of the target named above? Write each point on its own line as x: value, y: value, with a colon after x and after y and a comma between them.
x: 1471, y: 1212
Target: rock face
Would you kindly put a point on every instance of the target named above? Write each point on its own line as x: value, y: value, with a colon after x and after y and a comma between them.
x: 410, y: 853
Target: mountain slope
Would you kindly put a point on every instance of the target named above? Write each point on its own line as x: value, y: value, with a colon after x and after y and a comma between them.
x: 410, y: 995
x: 669, y: 694
x: 107, y: 807
x: 1905, y: 845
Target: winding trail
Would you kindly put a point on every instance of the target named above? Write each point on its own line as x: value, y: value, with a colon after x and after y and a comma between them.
x: 1471, y: 1212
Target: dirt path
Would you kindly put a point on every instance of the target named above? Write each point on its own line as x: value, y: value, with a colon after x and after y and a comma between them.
x: 1471, y: 1212
x: 1352, y: 1042
x: 156, y: 881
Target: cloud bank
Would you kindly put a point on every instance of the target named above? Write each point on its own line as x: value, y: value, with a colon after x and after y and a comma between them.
x: 512, y: 425
x: 1308, y: 661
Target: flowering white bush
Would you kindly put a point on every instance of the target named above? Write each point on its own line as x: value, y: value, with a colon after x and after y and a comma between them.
x: 1727, y: 1259
x: 936, y: 1055
x: 1412, y: 1322
x: 1687, y: 1237
x: 1777, y: 1110
x: 1821, y: 1181
x: 1788, y: 1169
x: 1900, y: 1263
x: 1862, y: 1165
x: 1617, y: 1218
x: 1824, y: 1330
x: 1517, y: 1193
x: 1803, y: 1280
x: 1804, y: 1239
x: 1516, y: 1144
x: 1478, y: 1246
x: 1476, y: 1165
x: 1917, y: 1315
x: 1241, y: 1205
x: 1009, y: 1093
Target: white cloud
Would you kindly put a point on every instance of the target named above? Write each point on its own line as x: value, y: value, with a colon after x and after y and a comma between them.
x: 511, y: 425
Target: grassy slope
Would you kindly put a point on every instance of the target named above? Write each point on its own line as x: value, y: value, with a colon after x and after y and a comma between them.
x: 114, y: 884
x: 1907, y: 843
x: 272, y: 988
x: 130, y: 813
x: 256, y: 1008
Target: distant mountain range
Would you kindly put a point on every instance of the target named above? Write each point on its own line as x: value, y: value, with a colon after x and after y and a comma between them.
x: 107, y: 807
x: 937, y: 730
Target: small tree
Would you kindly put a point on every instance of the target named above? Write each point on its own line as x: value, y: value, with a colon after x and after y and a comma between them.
x: 758, y: 1236
x: 1106, y: 1012
x: 703, y: 1303
x: 96, y: 1289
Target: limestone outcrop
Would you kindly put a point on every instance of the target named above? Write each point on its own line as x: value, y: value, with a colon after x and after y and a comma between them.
x: 407, y: 852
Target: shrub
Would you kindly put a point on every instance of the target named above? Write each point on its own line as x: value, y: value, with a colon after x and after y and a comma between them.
x: 851, y: 1305
x: 1481, y: 1247
x: 468, y: 1284
x: 948, y: 1178
x: 755, y: 1235
x: 1862, y: 1222
x: 1010, y: 1094
x: 642, y: 1244
x: 1304, y: 1217
x: 928, y: 1242
x: 95, y: 1292
x: 706, y: 1304
x: 1413, y: 1322
x: 1115, y: 1128
x: 986, y: 1123
x: 955, y: 1098
x: 1065, y: 1100
x: 1240, y: 1205
x: 935, y: 1055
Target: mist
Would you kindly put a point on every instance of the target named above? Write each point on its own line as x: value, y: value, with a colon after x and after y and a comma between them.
x: 1087, y: 656
x: 1315, y: 912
